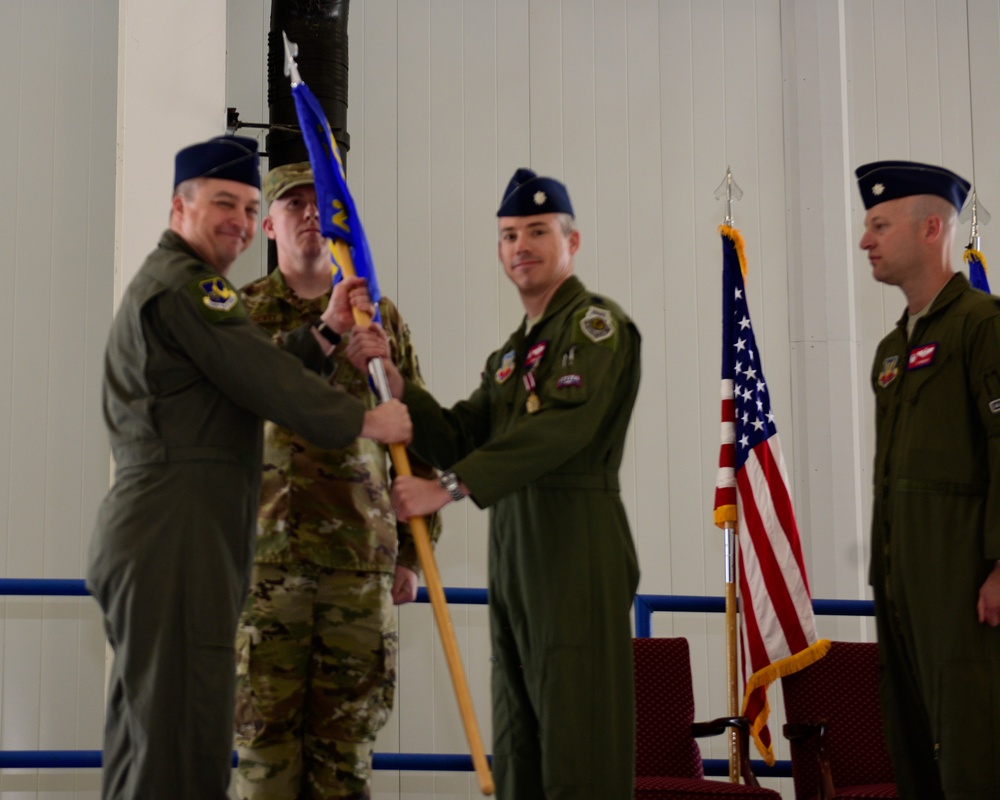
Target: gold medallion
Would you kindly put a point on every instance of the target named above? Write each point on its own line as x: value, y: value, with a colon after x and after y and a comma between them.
x: 533, y: 403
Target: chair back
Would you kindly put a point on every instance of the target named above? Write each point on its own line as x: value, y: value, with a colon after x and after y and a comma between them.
x: 664, y: 702
x: 842, y: 690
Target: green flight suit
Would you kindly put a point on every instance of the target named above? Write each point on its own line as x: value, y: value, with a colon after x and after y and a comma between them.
x: 562, y: 564
x: 935, y: 538
x: 188, y: 381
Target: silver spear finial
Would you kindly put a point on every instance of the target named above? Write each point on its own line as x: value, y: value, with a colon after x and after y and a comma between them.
x: 291, y: 68
x: 730, y: 190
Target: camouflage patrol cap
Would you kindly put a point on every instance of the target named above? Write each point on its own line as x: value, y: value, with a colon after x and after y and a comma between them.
x: 280, y: 179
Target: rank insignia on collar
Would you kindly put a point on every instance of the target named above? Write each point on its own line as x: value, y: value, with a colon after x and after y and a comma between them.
x: 890, y: 369
x: 506, y: 367
x: 995, y: 406
x: 921, y: 356
x: 219, y: 296
x: 597, y: 324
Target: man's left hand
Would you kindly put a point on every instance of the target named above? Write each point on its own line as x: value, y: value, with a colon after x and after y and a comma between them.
x: 989, y: 598
x: 404, y: 585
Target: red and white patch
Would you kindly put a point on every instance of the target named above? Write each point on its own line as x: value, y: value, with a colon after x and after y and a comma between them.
x: 921, y: 356
x: 535, y: 354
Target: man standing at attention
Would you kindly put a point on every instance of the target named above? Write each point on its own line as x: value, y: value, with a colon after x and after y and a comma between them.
x: 936, y: 517
x: 188, y: 381
x: 540, y: 443
x: 317, y: 639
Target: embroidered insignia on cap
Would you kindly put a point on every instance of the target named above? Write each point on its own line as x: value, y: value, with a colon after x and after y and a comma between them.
x: 921, y: 356
x: 597, y: 324
x: 569, y: 380
x: 890, y: 369
x: 540, y: 198
x: 877, y: 189
x: 506, y: 367
x: 218, y: 295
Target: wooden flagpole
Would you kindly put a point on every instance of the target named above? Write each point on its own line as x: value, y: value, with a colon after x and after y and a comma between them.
x: 425, y: 554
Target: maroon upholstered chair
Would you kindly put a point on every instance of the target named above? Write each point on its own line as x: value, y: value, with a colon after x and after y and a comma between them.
x: 834, y: 725
x: 668, y: 761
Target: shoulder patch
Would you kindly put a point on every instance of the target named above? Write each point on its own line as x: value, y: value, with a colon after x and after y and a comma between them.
x: 216, y: 298
x: 597, y: 324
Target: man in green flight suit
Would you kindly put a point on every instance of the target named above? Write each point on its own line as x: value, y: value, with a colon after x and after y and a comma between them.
x: 188, y: 381
x: 540, y: 443
x: 317, y: 640
x: 936, y: 518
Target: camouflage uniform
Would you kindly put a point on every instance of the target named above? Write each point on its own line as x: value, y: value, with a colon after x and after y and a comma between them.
x: 317, y: 640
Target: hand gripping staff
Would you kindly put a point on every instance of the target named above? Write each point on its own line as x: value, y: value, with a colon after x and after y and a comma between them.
x: 351, y: 256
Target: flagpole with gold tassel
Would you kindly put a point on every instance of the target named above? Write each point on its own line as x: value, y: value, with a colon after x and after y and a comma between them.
x: 731, y: 191
x: 340, y: 250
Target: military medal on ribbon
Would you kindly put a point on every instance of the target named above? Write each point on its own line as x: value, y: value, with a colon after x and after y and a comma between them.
x: 533, y: 403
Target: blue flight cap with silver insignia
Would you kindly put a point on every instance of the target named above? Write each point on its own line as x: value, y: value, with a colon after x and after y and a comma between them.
x: 529, y: 194
x: 232, y: 158
x: 889, y: 180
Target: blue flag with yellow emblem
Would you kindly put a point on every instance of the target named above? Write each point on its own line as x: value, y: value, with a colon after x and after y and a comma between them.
x: 338, y: 216
x: 977, y: 269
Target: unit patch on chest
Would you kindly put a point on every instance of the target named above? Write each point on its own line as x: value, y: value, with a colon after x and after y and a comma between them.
x: 506, y: 367
x: 890, y: 369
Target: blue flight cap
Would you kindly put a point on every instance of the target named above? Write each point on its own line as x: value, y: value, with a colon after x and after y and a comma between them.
x: 890, y: 180
x: 528, y: 194
x: 231, y: 158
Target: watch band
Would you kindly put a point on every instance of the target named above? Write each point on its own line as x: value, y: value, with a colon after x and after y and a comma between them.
x: 450, y: 483
x: 326, y: 332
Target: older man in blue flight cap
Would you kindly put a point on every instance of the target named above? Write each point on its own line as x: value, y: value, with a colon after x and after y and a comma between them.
x: 540, y: 443
x: 936, y: 519
x: 188, y: 381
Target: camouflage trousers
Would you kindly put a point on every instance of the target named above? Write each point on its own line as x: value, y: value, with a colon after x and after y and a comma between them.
x: 316, y: 675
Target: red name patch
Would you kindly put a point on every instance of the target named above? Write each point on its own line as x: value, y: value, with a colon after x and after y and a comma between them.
x: 921, y: 356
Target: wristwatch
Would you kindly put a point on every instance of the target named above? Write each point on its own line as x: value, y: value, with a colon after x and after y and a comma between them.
x: 449, y: 482
x: 326, y: 332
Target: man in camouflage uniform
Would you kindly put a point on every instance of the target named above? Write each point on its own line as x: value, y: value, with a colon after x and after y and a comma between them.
x: 540, y: 442
x: 317, y: 639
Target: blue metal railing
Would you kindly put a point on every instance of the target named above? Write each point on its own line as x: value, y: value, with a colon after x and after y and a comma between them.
x: 645, y: 605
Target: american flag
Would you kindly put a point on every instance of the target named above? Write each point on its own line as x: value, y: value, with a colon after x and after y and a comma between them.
x: 977, y: 269
x: 777, y: 627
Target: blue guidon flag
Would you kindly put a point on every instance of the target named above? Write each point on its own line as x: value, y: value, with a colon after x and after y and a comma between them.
x: 338, y: 216
x: 752, y: 493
